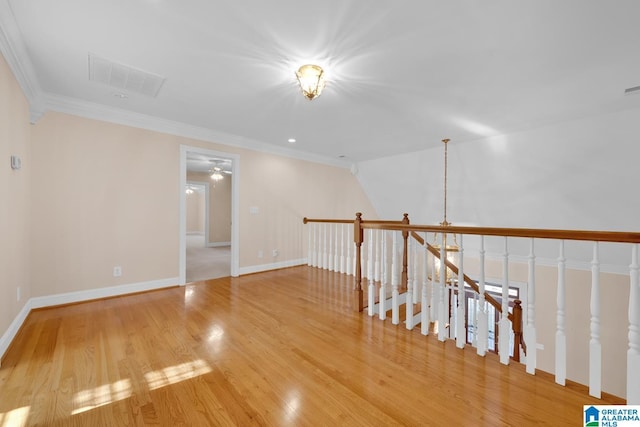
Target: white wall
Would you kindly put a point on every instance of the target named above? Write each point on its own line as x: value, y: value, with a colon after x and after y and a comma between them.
x: 577, y: 175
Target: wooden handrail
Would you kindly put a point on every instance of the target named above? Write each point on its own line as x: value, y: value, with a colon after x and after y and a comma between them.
x: 306, y: 220
x: 596, y: 236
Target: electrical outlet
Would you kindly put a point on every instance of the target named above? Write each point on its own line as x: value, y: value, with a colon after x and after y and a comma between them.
x: 117, y: 271
x: 260, y: 253
x: 18, y: 294
x: 275, y: 253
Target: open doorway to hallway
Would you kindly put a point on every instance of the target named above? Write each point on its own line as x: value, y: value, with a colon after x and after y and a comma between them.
x: 208, y: 212
x: 208, y: 239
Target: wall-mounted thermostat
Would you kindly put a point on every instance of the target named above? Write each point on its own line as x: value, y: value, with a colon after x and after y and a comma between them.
x: 16, y: 163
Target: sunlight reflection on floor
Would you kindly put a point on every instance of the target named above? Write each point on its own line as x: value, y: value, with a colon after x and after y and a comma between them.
x: 102, y: 395
x: 108, y: 393
x: 15, y: 417
x: 177, y: 373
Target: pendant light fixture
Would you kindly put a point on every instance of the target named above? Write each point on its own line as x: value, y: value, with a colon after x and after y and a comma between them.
x: 311, y: 80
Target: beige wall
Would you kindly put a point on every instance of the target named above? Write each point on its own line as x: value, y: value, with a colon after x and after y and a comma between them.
x: 105, y: 196
x: 285, y: 192
x: 219, y: 206
x: 195, y: 211
x: 14, y: 198
x: 220, y: 211
x: 89, y: 216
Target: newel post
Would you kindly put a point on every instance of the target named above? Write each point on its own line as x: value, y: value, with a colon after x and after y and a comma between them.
x: 358, y: 237
x: 405, y: 237
x: 516, y: 325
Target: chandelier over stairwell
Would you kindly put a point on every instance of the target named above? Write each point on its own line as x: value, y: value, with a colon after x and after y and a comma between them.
x: 451, y: 247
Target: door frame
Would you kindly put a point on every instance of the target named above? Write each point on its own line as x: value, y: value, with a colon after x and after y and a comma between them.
x: 235, y: 212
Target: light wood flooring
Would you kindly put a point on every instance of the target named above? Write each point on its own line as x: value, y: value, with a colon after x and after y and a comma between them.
x: 277, y: 348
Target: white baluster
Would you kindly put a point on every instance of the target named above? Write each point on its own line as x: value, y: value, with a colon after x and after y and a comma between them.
x: 317, y: 246
x: 595, y: 348
x: 425, y: 315
x: 409, y: 301
x: 504, y: 328
x: 351, y: 247
x: 561, y: 338
x: 376, y: 272
x: 417, y: 283
x: 310, y: 245
x: 325, y: 257
x: 461, y: 334
x: 395, y: 314
x: 336, y: 252
x: 383, y: 278
x: 633, y: 353
x: 370, y: 261
x: 443, y: 313
x: 371, y: 294
x: 330, y: 247
x: 474, y: 321
x: 483, y: 321
x: 530, y: 338
x: 435, y: 291
x: 344, y: 243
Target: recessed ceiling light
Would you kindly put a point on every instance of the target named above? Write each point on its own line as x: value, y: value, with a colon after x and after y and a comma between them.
x: 291, y: 140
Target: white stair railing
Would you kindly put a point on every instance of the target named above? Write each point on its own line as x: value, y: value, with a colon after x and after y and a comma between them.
x: 530, y: 335
x: 505, y: 325
x: 483, y: 318
x: 595, y: 348
x: 561, y: 338
x: 330, y: 246
x: 633, y: 353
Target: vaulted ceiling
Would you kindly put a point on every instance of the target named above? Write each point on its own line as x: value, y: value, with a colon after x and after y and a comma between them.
x: 401, y: 75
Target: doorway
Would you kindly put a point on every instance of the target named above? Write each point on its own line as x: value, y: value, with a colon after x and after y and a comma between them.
x: 208, y: 214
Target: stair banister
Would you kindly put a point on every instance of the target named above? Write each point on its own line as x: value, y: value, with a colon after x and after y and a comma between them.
x: 633, y: 353
x: 530, y: 334
x: 561, y: 338
x: 405, y: 236
x: 358, y: 235
x: 503, y: 344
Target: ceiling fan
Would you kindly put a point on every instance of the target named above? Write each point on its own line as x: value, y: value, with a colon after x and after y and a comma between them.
x: 219, y: 168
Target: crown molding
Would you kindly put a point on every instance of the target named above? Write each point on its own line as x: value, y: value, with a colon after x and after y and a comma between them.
x: 119, y: 116
x: 15, y: 53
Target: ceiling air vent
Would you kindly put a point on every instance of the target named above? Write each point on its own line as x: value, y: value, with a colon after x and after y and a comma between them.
x: 631, y: 90
x: 124, y: 77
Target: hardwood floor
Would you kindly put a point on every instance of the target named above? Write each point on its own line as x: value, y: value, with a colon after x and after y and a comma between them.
x: 276, y: 348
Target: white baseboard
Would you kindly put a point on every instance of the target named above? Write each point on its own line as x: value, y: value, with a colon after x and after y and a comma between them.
x: 13, y: 329
x: 273, y: 266
x: 216, y: 244
x: 78, y: 296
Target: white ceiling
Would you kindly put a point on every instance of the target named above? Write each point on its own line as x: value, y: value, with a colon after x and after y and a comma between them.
x: 197, y: 162
x: 402, y: 75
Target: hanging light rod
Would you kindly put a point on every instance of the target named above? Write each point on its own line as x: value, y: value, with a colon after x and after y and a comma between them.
x: 445, y: 223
